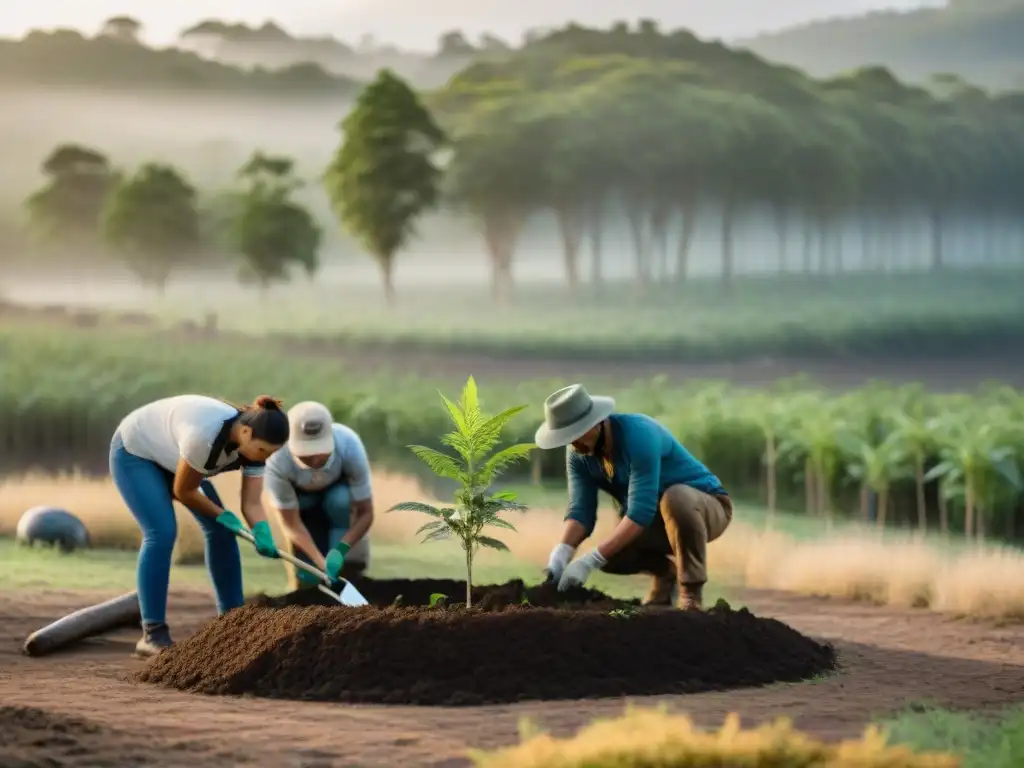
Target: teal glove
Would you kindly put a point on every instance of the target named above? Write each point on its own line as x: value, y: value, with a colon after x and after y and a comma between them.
x: 264, y: 539
x: 336, y: 559
x: 230, y: 521
x: 307, y: 578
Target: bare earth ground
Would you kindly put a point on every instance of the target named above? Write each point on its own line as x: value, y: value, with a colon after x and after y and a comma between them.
x: 891, y: 658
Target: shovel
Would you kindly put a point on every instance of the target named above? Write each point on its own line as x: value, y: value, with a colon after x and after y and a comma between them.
x: 349, y: 595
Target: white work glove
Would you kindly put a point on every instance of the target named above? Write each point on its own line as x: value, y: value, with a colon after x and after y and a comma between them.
x: 577, y: 573
x: 560, y: 557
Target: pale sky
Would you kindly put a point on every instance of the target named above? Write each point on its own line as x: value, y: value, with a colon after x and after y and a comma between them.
x: 409, y: 23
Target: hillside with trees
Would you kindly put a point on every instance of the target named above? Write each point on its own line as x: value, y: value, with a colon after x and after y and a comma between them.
x: 114, y: 59
x: 978, y: 40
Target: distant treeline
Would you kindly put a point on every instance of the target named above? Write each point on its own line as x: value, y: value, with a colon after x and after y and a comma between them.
x: 979, y: 40
x: 675, y: 132
x: 688, y: 141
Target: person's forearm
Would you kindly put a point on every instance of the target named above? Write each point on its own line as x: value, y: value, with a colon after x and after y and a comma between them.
x: 574, y: 533
x: 253, y: 512
x: 362, y: 519
x: 299, y: 536
x: 198, y: 502
x: 624, y: 534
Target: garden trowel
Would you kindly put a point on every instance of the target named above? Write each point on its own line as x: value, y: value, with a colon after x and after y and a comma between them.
x: 349, y: 595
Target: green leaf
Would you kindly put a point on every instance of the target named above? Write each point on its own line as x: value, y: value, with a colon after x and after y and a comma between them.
x: 441, y: 534
x: 505, y: 458
x: 939, y: 470
x: 441, y: 464
x: 433, y: 525
x: 497, y: 522
x: 487, y: 541
x: 416, y: 506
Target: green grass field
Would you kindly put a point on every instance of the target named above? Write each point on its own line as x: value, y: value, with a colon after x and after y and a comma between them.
x: 770, y: 315
x: 984, y: 741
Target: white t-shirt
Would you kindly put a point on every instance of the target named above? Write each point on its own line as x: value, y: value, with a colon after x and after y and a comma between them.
x: 284, y: 474
x: 182, y: 427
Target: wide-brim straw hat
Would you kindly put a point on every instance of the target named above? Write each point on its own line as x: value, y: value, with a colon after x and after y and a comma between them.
x: 569, y: 414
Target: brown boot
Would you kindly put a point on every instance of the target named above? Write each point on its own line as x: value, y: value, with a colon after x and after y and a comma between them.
x: 691, y: 597
x: 661, y: 589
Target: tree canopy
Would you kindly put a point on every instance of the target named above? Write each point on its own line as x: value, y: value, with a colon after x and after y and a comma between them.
x: 151, y: 219
x: 661, y: 126
x: 384, y: 175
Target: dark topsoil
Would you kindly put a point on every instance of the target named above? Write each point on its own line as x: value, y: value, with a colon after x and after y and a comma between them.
x: 578, y: 645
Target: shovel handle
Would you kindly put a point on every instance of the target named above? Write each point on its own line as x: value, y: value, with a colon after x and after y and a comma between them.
x: 244, y: 534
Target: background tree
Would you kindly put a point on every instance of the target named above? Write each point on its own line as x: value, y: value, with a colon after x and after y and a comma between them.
x: 69, y: 205
x: 272, y: 232
x: 384, y: 174
x: 151, y: 219
x: 123, y: 28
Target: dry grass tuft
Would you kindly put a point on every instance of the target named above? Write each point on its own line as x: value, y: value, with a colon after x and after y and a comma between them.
x: 655, y: 739
x: 984, y: 583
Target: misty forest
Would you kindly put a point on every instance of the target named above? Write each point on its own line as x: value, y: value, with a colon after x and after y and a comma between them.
x: 627, y: 153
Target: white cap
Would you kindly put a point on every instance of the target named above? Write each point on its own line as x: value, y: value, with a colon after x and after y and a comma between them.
x: 311, y: 429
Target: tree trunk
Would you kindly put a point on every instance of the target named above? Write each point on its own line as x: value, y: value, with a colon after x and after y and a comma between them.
x: 501, y: 232
x: 660, y: 217
x: 938, y: 256
x: 728, y: 255
x: 968, y: 509
x: 943, y: 511
x: 469, y: 576
x: 824, y: 503
x: 688, y: 210
x: 769, y: 462
x: 922, y: 509
x: 595, y: 220
x: 810, y: 490
x: 883, y: 508
x: 570, y: 226
x: 782, y: 233
x: 634, y: 205
x: 865, y: 503
x: 387, y: 271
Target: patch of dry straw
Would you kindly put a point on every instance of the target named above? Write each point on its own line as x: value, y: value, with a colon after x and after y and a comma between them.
x: 981, y: 582
x: 657, y: 739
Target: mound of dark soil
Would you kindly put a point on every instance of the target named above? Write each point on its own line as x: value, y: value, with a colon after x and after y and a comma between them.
x: 384, y: 593
x: 502, y: 652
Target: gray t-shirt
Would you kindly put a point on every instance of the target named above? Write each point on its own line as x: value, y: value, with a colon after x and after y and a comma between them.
x: 284, y: 475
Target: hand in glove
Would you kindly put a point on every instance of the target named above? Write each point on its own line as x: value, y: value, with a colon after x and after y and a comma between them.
x: 307, y: 578
x: 577, y: 573
x: 230, y: 521
x: 264, y: 539
x: 336, y: 559
x: 560, y: 557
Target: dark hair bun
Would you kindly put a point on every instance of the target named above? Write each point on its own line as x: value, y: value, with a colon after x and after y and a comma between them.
x: 267, y: 403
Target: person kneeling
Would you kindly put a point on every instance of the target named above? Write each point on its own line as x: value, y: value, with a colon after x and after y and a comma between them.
x: 671, y: 504
x: 319, y: 483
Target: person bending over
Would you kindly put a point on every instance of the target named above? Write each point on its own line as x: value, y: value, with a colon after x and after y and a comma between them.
x: 166, y: 451
x: 320, y: 485
x: 670, y: 503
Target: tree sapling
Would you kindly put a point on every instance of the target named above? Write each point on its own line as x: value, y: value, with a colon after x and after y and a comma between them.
x: 474, y: 469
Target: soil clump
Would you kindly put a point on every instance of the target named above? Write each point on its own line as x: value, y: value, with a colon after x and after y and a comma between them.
x: 304, y: 646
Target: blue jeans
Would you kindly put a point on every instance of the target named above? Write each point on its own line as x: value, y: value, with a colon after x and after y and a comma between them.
x: 326, y: 514
x: 147, y: 490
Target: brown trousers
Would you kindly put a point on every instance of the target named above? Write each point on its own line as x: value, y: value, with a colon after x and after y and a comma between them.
x: 676, y: 542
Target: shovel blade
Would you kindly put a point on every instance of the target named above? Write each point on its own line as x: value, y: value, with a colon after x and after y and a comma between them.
x: 352, y: 596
